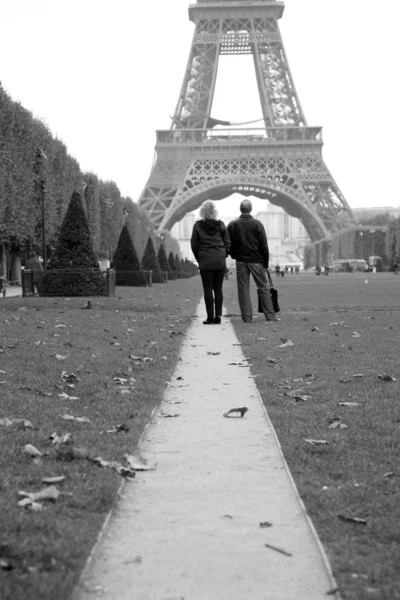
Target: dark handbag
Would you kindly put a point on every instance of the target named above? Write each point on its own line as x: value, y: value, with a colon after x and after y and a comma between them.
x: 274, y: 296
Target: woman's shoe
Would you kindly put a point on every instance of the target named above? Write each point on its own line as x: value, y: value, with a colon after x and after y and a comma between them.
x: 217, y: 320
x: 208, y: 322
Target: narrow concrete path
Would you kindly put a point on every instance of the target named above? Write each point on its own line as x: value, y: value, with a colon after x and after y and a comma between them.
x: 190, y: 530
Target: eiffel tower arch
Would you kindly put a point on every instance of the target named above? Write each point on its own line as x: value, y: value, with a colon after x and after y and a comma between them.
x: 201, y: 157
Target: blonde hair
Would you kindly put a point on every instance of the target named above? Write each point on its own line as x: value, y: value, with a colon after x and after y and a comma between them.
x: 208, y: 210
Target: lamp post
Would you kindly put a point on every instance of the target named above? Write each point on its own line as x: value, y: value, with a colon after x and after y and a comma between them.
x: 372, y: 231
x: 42, y: 182
x: 109, y: 203
x: 362, y: 250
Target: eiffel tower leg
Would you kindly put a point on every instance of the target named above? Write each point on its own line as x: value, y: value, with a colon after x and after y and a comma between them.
x: 197, y: 93
x: 281, y: 105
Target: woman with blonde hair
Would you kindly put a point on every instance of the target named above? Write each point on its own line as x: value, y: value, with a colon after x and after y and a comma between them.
x: 210, y: 245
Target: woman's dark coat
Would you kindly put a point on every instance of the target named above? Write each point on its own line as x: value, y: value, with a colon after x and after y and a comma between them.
x: 210, y: 244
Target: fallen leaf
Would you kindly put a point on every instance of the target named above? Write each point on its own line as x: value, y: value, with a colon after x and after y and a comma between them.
x: 137, y: 463
x: 386, y: 378
x: 61, y: 357
x: 316, y: 442
x: 358, y: 375
x: 30, y: 504
x: 242, y: 410
x: 213, y: 353
x: 65, y: 438
x: 355, y: 520
x: 389, y: 474
x: 337, y: 424
x: 32, y: 451
x: 278, y: 549
x: 265, y: 524
x: 114, y: 466
x: 344, y: 380
x: 52, y: 480
x: 348, y: 404
x: 314, y: 328
x: 47, y: 493
x: 169, y: 415
x: 286, y: 344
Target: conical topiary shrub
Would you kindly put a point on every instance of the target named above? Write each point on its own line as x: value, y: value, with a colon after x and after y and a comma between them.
x: 150, y: 260
x: 172, y: 266
x: 126, y: 262
x: 162, y: 259
x: 178, y: 266
x: 73, y: 269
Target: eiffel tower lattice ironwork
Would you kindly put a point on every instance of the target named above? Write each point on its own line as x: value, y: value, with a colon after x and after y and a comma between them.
x: 281, y: 162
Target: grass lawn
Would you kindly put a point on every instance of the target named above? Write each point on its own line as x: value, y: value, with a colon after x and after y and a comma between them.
x: 42, y: 552
x: 346, y: 333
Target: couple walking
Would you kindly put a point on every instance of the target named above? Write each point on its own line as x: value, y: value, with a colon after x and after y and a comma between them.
x: 245, y: 241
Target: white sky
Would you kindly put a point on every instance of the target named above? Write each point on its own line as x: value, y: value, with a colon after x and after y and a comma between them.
x: 105, y: 74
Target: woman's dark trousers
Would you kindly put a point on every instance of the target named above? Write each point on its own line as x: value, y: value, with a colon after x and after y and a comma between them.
x: 212, y: 286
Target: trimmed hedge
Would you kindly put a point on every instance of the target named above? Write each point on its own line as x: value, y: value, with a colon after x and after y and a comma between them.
x: 73, y: 269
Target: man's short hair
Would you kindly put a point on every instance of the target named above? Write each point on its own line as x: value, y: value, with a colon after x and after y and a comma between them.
x: 246, y: 206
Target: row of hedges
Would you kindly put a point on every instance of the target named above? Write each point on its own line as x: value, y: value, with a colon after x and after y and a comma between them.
x: 357, y: 242
x: 36, y: 165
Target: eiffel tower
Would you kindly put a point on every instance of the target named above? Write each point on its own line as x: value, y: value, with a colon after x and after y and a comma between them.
x: 201, y: 157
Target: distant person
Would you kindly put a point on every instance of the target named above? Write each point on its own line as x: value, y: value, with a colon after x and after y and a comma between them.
x: 33, y: 264
x: 297, y: 269
x: 249, y: 247
x: 291, y: 270
x: 318, y: 270
x: 210, y: 245
x: 395, y: 268
x: 277, y: 270
x: 326, y: 270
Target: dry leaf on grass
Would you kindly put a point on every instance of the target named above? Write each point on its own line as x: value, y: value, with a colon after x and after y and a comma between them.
x: 47, y: 493
x: 32, y: 451
x: 358, y: 375
x: 317, y: 442
x: 355, y: 520
x: 69, y: 378
x: 30, y: 504
x: 286, y: 344
x: 265, y: 524
x: 386, y: 378
x: 76, y: 419
x: 272, y: 361
x: 301, y: 398
x: 236, y: 411
x: 52, y: 480
x: 20, y: 423
x: 213, y: 353
x: 348, y: 404
x: 114, y: 466
x: 337, y: 424
x: 61, y: 357
x: 65, y: 438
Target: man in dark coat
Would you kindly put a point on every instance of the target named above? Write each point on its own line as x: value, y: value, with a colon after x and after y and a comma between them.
x: 249, y: 247
x: 33, y: 264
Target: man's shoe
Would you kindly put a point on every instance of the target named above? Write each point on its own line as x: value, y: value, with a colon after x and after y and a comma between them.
x: 274, y: 320
x: 217, y: 320
x: 208, y: 322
